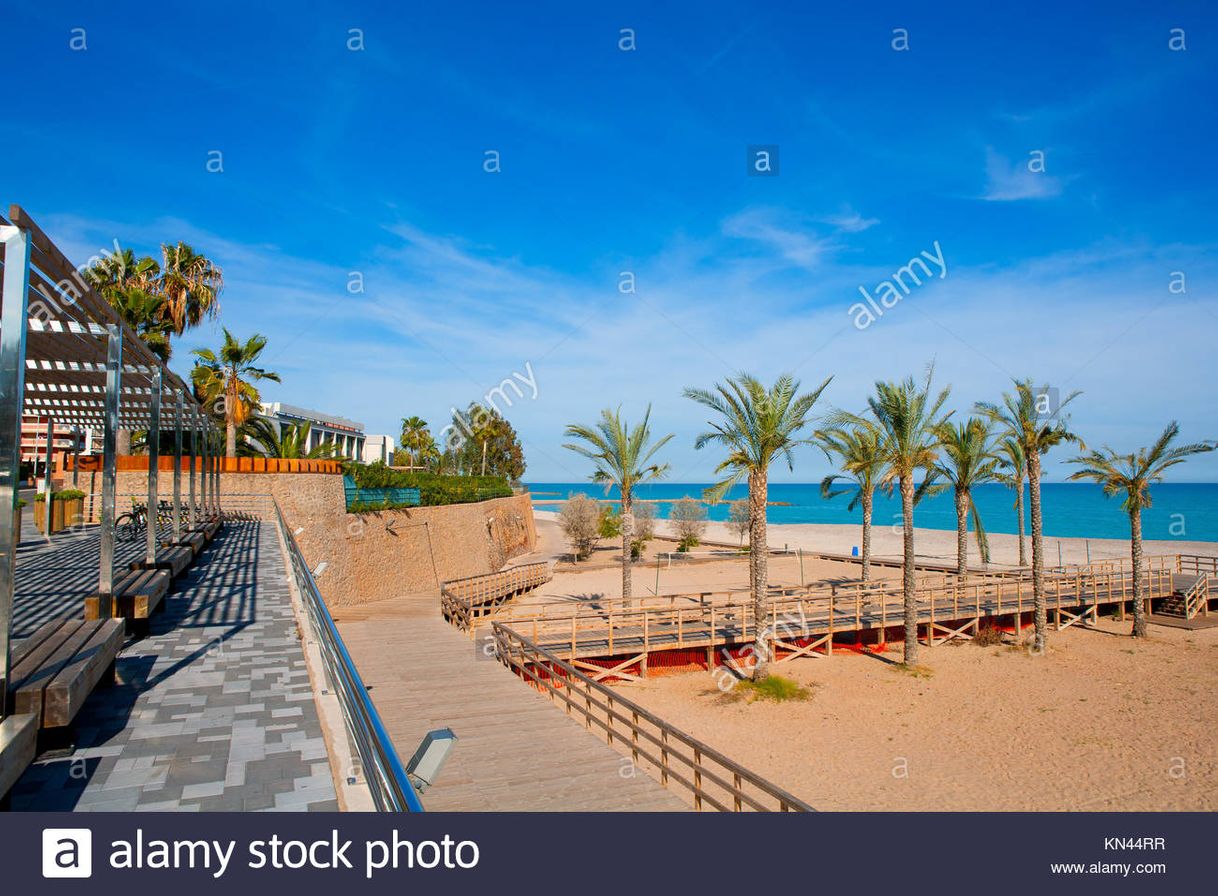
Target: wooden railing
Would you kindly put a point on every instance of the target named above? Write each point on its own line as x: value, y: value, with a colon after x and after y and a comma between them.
x: 1197, y: 598
x: 662, y: 750
x: 1197, y: 564
x: 574, y: 630
x: 464, y: 601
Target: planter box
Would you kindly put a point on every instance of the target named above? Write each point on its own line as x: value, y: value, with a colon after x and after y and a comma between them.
x: 17, y: 525
x: 73, y: 512
x: 40, y: 517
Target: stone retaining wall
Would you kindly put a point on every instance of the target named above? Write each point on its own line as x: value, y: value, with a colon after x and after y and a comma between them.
x: 370, y: 556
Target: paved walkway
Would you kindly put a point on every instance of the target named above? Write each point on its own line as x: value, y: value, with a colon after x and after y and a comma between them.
x: 214, y: 710
x: 516, y: 751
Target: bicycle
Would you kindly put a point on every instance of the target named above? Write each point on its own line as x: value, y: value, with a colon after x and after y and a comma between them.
x: 133, y: 524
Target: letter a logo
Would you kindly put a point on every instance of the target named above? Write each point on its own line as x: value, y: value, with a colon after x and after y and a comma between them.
x: 67, y: 852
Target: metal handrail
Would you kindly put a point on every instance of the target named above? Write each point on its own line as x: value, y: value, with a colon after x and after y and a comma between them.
x: 387, y: 779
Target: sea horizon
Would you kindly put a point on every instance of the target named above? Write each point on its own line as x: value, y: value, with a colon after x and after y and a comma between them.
x: 1181, y: 511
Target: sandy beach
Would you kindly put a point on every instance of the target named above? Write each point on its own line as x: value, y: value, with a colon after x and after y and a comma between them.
x: 937, y: 545
x: 1099, y: 723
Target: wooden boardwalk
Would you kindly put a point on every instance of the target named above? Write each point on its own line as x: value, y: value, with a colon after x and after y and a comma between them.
x: 514, y: 751
x: 612, y: 640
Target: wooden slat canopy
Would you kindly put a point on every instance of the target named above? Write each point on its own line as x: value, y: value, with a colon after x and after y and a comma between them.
x: 65, y: 365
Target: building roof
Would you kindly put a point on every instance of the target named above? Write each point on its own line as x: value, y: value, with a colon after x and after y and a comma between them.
x: 280, y: 409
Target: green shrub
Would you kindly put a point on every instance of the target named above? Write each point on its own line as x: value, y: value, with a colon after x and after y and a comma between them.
x: 610, y: 523
x: 68, y: 494
x: 434, y: 488
x: 772, y: 687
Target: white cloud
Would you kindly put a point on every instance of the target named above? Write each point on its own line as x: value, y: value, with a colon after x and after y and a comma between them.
x: 850, y: 221
x: 444, y: 321
x: 1013, y: 180
x: 781, y: 234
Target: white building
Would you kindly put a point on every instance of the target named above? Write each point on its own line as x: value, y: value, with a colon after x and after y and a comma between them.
x: 378, y: 448
x: 348, y: 434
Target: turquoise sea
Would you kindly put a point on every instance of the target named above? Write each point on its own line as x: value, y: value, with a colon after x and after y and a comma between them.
x: 1181, y: 511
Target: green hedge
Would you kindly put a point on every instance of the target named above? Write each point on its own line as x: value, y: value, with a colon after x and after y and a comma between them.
x: 68, y: 494
x: 434, y: 488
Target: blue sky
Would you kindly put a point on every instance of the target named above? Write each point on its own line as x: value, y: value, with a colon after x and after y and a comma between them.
x: 372, y: 161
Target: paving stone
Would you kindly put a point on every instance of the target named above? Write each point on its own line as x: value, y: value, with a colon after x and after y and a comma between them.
x: 214, y: 710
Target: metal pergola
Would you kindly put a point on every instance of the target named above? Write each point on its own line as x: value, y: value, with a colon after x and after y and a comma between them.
x: 66, y: 355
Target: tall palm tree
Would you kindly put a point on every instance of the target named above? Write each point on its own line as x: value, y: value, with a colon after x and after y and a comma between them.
x: 190, y: 284
x: 415, y: 436
x: 1013, y: 472
x: 757, y: 426
x: 260, y: 438
x: 1131, y: 475
x: 225, y: 382
x: 623, y: 457
x: 1026, y: 415
x: 909, y: 417
x: 859, y: 448
x: 968, y: 461
x: 130, y: 286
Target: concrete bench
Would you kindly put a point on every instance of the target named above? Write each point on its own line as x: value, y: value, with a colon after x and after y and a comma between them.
x: 174, y: 559
x: 57, y: 667
x: 136, y: 595
x: 209, y: 529
x: 18, y: 746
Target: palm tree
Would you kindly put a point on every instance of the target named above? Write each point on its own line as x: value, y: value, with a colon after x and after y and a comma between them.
x: 415, y: 436
x: 190, y: 285
x: 756, y: 426
x: 1026, y: 416
x: 1131, y: 475
x: 909, y: 418
x: 623, y: 458
x: 859, y: 448
x: 1012, y: 474
x: 968, y: 461
x: 225, y: 382
x: 260, y: 438
x: 130, y: 286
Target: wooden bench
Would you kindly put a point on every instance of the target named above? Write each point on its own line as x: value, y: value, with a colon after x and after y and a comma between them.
x: 174, y: 558
x: 18, y: 746
x: 196, y: 541
x: 136, y: 595
x: 57, y: 667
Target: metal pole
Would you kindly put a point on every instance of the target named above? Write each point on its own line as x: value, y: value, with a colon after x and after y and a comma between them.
x: 114, y: 376
x: 77, y: 434
x: 194, y: 450
x: 177, y: 470
x: 46, y: 477
x: 220, y: 456
x: 14, y: 321
x: 220, y: 461
x: 204, y: 435
x: 214, y: 471
x: 154, y: 462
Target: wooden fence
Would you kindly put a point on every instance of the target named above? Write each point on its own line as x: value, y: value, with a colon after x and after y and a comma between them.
x: 660, y: 749
x: 91, y: 463
x: 463, y: 601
